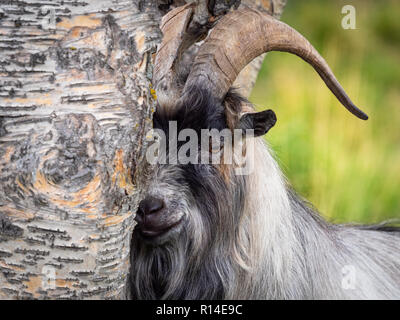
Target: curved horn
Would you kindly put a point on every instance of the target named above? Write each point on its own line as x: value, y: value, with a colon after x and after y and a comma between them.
x: 241, y: 36
x: 175, y: 41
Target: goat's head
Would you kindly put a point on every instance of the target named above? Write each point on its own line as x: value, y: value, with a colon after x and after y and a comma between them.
x: 202, y: 100
x: 190, y: 183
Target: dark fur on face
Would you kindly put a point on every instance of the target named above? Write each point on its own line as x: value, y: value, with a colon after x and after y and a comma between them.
x: 198, y: 111
x: 194, y: 262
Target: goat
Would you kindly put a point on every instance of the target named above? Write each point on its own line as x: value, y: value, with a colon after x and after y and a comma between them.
x: 205, y: 232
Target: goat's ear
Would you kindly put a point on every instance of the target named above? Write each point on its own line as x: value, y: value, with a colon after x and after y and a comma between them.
x: 260, y: 122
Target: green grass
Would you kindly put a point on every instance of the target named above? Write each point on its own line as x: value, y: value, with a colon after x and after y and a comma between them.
x: 348, y: 168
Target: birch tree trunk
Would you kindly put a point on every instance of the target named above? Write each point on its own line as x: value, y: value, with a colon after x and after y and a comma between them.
x: 75, y: 105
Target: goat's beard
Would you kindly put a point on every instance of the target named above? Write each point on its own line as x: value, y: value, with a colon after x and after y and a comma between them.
x: 197, y: 263
x: 177, y: 269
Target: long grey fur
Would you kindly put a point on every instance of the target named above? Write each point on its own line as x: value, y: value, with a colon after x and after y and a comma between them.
x: 267, y: 243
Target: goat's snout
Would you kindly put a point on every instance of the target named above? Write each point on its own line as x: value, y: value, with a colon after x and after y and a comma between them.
x: 149, y: 211
x: 153, y: 218
x: 150, y: 205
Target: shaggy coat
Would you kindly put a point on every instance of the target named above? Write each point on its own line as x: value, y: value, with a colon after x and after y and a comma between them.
x: 252, y: 237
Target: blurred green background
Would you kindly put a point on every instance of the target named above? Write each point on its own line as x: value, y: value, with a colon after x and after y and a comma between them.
x: 348, y: 168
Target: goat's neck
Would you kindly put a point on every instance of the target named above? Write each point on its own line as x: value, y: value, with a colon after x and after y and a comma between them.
x: 295, y: 254
x: 270, y: 225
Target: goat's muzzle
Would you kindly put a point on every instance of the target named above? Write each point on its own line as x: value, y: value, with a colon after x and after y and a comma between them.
x: 152, y: 218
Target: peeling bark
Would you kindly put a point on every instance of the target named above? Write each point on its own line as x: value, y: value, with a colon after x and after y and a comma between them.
x: 75, y: 105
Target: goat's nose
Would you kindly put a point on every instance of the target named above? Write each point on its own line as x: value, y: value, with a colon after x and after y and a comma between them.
x: 150, y: 205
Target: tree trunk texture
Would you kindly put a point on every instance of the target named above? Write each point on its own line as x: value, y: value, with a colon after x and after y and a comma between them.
x: 75, y: 106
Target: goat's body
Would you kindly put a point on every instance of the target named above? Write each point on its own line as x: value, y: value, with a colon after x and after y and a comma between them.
x: 298, y: 255
x: 250, y: 236
x: 280, y: 249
